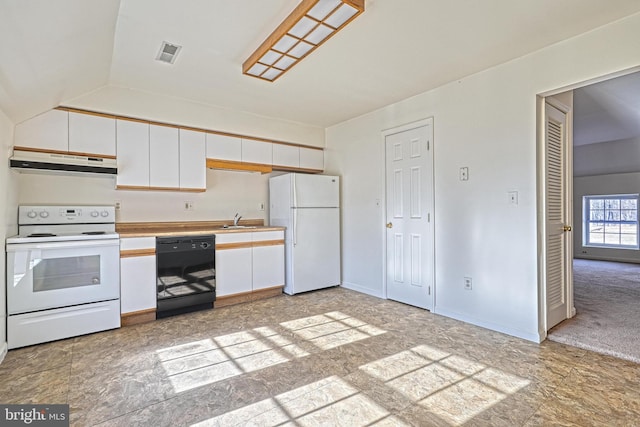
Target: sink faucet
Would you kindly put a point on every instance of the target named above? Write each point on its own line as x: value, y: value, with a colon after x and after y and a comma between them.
x: 236, y: 218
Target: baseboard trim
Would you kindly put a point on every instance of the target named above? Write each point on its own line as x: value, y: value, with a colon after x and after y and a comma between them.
x: 227, y: 300
x: 3, y: 351
x: 362, y: 289
x: 137, y: 317
x: 529, y: 336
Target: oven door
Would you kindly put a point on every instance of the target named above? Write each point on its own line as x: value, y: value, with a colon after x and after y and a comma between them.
x: 59, y: 274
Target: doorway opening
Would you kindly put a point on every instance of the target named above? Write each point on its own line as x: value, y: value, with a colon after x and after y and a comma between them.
x: 605, y: 187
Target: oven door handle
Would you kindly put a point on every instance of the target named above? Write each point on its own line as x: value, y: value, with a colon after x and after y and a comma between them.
x: 18, y: 247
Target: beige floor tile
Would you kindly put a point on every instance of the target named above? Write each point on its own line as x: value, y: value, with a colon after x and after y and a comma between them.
x: 332, y: 357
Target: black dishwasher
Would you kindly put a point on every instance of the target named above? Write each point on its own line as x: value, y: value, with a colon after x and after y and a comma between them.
x: 186, y: 274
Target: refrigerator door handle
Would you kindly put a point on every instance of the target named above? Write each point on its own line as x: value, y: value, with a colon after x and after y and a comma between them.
x: 295, y: 191
x: 295, y: 226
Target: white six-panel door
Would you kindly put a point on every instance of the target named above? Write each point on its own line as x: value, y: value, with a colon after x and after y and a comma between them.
x: 409, y: 206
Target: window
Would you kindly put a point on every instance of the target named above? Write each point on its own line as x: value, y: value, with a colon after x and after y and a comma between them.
x: 611, y: 221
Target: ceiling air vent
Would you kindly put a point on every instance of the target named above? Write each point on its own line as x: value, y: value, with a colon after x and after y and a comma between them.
x: 168, y: 53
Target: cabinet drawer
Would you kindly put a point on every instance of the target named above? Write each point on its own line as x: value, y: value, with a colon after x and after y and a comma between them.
x: 233, y: 238
x: 134, y: 243
x: 267, y: 235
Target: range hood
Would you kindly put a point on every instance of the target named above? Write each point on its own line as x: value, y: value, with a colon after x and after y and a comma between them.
x: 33, y: 161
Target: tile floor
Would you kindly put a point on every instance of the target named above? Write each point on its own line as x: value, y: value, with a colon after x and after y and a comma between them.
x: 331, y: 357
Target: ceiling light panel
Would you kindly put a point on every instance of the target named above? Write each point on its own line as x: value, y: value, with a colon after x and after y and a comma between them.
x: 323, y: 8
x: 310, y: 24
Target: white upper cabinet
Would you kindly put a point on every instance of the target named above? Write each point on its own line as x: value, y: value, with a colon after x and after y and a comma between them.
x: 286, y: 155
x: 164, y: 152
x: 48, y: 131
x: 192, y: 160
x: 311, y: 159
x: 92, y: 134
x: 133, y: 153
x: 259, y: 152
x: 223, y: 147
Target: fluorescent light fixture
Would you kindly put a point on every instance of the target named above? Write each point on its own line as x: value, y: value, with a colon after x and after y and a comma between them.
x: 310, y: 24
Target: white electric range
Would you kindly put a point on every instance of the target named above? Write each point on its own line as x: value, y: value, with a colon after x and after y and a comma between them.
x: 63, y: 273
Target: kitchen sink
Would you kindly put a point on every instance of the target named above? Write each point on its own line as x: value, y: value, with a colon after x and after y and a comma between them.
x: 238, y: 226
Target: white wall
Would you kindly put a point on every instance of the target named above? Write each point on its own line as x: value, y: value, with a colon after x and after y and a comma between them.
x: 8, y: 217
x: 621, y: 156
x: 486, y: 122
x: 143, y: 105
x: 622, y: 183
x: 227, y: 192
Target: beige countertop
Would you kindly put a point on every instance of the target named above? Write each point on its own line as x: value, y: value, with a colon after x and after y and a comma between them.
x: 193, y: 228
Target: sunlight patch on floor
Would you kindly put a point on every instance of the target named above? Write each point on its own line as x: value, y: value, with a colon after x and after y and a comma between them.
x: 328, y: 402
x: 452, y: 387
x: 203, y: 362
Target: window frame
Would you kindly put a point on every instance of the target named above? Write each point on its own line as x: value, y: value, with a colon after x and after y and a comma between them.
x: 587, y: 221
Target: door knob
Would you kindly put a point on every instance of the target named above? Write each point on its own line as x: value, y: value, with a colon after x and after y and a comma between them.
x: 389, y: 225
x: 566, y: 228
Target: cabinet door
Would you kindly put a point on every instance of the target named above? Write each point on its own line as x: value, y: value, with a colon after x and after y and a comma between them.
x: 257, y: 152
x: 268, y: 266
x: 164, y: 157
x: 92, y: 134
x: 286, y: 155
x: 233, y: 263
x: 222, y: 147
x: 192, y: 160
x: 233, y: 271
x: 268, y: 259
x: 311, y: 159
x: 137, y: 283
x: 133, y: 153
x: 48, y: 131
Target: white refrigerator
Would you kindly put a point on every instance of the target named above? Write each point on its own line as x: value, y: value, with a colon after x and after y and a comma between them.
x: 309, y: 207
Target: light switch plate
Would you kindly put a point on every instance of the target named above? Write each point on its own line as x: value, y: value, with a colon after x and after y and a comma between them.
x: 512, y: 197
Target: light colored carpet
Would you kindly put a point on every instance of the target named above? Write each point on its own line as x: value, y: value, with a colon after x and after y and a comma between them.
x: 607, y: 300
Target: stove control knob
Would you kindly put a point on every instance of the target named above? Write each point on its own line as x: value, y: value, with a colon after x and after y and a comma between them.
x: 104, y: 213
x: 94, y: 214
x: 44, y: 214
x: 32, y: 214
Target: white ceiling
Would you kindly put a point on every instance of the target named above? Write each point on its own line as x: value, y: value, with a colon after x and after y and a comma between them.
x: 54, y: 51
x: 607, y: 111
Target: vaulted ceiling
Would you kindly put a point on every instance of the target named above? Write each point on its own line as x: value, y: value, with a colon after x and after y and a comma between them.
x: 54, y: 51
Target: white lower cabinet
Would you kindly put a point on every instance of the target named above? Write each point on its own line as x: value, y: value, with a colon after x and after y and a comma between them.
x: 268, y: 259
x: 137, y: 274
x: 233, y: 264
x: 249, y: 261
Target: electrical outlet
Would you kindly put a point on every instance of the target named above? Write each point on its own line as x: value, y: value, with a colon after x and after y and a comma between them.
x: 118, y: 204
x: 188, y: 206
x: 467, y: 283
x: 464, y: 173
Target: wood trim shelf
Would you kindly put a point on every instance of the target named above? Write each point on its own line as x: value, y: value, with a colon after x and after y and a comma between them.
x: 231, y: 165
x: 130, y: 253
x: 143, y: 188
x: 239, y: 245
x: 295, y: 169
x: 145, y: 228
